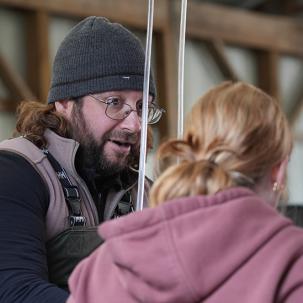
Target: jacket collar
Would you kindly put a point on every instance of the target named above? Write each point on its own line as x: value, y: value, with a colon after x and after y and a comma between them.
x: 63, y: 149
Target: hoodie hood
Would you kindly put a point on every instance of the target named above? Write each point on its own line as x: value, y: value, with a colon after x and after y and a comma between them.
x: 187, y: 248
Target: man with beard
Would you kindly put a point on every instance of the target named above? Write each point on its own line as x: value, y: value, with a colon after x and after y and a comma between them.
x: 74, y: 163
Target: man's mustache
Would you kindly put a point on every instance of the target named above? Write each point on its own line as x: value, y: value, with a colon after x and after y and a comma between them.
x: 122, y: 136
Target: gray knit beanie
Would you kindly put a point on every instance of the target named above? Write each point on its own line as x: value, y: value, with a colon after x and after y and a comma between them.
x: 97, y: 56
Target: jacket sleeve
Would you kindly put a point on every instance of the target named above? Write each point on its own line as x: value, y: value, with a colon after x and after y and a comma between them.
x: 23, y: 262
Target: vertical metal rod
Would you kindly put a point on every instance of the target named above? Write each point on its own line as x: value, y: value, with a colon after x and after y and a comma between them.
x: 181, y: 69
x: 143, y: 140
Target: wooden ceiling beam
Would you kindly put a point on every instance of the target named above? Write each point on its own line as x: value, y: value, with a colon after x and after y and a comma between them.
x: 130, y: 12
x: 245, y: 28
x: 8, y: 105
x: 205, y: 21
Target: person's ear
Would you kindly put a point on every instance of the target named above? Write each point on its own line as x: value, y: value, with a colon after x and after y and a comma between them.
x: 64, y: 107
x: 278, y: 173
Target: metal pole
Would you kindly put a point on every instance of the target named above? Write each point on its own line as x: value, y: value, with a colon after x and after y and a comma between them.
x: 141, y: 178
x: 181, y: 69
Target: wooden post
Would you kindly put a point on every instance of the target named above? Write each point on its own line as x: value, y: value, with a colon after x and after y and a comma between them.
x: 268, y: 72
x: 167, y: 72
x: 216, y: 48
x: 38, y: 66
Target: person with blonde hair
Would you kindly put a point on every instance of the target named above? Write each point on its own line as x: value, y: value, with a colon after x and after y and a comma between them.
x: 213, y: 233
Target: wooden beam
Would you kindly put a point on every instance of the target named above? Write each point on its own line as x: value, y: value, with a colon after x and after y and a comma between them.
x: 167, y: 79
x: 268, y: 72
x: 205, y: 21
x: 8, y: 105
x: 130, y: 12
x: 216, y: 48
x: 13, y: 81
x: 38, y: 66
x: 244, y: 28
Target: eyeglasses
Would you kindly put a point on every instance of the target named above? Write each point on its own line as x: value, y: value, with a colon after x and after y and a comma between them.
x: 117, y: 109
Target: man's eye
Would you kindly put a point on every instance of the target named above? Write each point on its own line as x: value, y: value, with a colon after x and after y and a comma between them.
x: 114, y: 101
x: 139, y: 106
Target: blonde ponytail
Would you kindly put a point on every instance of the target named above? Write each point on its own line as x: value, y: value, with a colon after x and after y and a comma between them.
x: 190, y: 176
x: 234, y: 135
x: 189, y: 179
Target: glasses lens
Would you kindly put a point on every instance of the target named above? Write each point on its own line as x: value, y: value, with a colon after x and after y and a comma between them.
x: 116, y: 108
x: 154, y: 113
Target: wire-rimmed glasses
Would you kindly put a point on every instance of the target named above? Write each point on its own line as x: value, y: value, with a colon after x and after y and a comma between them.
x: 117, y: 109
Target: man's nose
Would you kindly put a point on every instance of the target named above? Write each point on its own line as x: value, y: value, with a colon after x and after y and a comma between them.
x: 132, y: 122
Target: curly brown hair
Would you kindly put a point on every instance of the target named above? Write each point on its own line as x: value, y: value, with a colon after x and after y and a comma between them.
x: 33, y: 118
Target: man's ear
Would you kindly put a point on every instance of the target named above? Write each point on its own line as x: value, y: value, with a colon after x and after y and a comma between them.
x: 278, y: 173
x: 64, y: 107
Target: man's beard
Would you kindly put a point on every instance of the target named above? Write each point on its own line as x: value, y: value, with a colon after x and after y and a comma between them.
x: 91, y: 158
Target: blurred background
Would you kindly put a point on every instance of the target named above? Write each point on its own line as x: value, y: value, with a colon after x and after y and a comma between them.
x: 257, y: 41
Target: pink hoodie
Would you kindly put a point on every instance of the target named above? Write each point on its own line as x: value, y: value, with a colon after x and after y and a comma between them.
x: 227, y: 248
